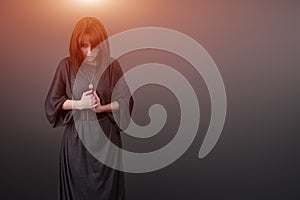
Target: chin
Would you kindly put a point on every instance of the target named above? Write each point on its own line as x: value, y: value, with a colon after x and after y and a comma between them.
x: 91, y: 59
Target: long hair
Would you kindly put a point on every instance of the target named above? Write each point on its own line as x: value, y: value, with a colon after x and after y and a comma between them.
x: 93, y: 29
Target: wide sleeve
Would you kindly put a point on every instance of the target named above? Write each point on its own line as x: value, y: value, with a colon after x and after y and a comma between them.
x: 56, y: 97
x: 121, y: 93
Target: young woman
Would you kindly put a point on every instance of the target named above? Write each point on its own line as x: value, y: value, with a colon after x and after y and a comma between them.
x: 81, y: 93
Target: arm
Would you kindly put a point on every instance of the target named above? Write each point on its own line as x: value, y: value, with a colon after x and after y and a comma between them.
x: 57, y: 95
x: 70, y: 105
x: 114, y: 106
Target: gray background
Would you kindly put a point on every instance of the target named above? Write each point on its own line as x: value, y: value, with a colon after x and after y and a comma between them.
x: 256, y: 46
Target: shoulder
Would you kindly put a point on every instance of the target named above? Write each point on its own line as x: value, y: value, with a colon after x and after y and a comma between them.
x: 115, y: 65
x: 114, y: 61
x: 64, y: 65
x: 64, y: 62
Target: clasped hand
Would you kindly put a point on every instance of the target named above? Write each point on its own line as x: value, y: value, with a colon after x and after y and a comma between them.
x: 90, y: 100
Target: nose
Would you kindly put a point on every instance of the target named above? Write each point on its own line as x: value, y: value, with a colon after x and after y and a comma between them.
x: 88, y: 51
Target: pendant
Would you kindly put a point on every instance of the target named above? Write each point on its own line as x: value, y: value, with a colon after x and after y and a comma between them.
x: 91, y: 86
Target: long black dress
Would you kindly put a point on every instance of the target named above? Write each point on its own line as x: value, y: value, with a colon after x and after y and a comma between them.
x: 82, y: 176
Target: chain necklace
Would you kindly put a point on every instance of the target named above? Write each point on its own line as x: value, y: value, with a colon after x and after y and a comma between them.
x: 90, y: 80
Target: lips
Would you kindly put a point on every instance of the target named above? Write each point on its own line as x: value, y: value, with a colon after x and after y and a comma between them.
x: 89, y: 56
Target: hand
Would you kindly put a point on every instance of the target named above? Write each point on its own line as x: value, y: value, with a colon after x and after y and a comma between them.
x: 87, y: 101
x: 98, y: 107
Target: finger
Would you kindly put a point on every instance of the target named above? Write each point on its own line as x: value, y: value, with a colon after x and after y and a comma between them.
x: 88, y: 92
x: 95, y: 105
x: 92, y: 102
x: 98, y: 99
x: 96, y: 95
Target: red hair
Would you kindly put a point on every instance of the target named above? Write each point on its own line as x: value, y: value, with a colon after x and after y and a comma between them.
x: 93, y: 29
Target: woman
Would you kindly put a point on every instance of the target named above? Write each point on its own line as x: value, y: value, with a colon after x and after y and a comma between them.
x: 80, y: 95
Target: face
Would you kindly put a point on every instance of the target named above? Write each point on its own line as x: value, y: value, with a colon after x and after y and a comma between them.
x: 87, y: 51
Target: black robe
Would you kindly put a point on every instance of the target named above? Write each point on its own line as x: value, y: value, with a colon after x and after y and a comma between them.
x: 82, y: 176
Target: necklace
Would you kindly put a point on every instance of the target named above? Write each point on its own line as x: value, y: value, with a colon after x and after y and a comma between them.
x: 90, y: 80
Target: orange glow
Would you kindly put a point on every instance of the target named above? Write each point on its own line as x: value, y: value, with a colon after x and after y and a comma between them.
x: 91, y: 1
